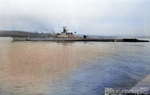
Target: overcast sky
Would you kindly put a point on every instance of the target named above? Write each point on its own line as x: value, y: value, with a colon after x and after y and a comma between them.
x: 98, y: 17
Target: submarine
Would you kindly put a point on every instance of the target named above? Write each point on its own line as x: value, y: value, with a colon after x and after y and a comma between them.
x: 70, y: 36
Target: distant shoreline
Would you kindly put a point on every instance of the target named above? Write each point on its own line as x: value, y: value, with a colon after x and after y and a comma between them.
x: 6, y: 33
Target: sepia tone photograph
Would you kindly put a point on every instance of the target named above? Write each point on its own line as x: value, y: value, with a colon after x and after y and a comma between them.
x: 74, y: 47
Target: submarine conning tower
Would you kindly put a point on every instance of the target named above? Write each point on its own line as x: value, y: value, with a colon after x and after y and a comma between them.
x: 65, y: 29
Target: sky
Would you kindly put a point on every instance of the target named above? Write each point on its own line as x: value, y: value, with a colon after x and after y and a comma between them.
x: 94, y: 17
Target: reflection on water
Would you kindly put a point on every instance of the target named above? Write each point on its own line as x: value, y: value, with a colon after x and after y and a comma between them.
x: 51, y: 68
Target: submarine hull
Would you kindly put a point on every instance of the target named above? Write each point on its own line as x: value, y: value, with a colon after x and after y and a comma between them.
x: 75, y: 39
x: 134, y: 40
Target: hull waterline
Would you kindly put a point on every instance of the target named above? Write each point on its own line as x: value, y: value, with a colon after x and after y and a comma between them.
x: 75, y: 39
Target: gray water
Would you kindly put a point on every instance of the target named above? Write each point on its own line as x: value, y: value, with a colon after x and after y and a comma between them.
x: 70, y: 68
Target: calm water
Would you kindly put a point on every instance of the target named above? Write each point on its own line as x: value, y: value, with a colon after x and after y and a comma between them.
x: 79, y: 68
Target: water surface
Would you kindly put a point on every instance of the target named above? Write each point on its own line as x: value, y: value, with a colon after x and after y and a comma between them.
x: 70, y: 68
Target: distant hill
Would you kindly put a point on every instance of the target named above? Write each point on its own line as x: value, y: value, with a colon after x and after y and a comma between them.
x: 5, y: 33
